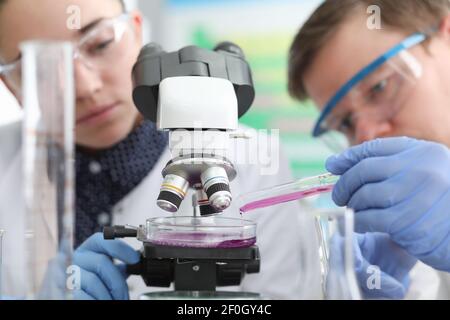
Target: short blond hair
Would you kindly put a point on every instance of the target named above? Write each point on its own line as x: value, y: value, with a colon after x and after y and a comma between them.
x: 406, y: 15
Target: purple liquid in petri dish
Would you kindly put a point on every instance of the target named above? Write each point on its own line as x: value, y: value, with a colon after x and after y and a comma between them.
x: 241, y: 243
x: 268, y: 202
x: 200, y: 240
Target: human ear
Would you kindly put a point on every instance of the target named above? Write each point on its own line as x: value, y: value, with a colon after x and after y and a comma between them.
x: 137, y: 22
x: 444, y: 28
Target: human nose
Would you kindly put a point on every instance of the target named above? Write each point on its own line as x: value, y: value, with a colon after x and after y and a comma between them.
x: 369, y: 129
x: 87, y: 80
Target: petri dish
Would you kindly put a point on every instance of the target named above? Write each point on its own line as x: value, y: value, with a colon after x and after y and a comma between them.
x: 199, y: 232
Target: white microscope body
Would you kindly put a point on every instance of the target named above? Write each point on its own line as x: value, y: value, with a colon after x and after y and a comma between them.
x: 196, y: 95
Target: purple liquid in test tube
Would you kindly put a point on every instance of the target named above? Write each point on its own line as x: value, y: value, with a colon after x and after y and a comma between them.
x: 271, y: 201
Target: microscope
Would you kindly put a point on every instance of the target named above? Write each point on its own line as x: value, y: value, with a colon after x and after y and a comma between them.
x: 197, y: 95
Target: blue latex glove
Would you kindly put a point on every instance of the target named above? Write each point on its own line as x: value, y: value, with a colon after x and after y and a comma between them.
x: 100, y: 278
x: 393, y: 263
x: 399, y: 186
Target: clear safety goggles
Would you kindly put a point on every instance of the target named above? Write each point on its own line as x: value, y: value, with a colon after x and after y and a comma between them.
x: 99, y: 49
x: 375, y: 94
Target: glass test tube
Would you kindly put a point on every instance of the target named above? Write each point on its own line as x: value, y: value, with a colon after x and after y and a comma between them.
x: 287, y: 192
x: 48, y: 148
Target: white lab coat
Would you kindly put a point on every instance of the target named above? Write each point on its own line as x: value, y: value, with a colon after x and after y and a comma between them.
x: 12, y: 208
x: 286, y: 238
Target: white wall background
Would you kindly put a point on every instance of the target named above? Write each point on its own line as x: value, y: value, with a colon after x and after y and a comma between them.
x: 9, y: 108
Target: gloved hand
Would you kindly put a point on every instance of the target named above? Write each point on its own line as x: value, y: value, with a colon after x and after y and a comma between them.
x: 399, y: 186
x: 100, y: 278
x: 393, y: 263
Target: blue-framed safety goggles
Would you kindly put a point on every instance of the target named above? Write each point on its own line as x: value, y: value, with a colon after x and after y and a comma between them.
x: 321, y: 126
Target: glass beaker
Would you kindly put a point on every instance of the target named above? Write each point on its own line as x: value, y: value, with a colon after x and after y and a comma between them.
x: 48, y: 148
x: 334, y: 228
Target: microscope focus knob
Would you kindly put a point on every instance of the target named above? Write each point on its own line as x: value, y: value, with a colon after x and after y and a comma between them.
x: 111, y: 233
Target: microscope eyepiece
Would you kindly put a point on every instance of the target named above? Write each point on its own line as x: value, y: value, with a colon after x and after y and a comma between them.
x: 151, y: 49
x: 230, y: 47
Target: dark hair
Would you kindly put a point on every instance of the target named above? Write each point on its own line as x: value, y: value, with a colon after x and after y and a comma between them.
x: 406, y: 15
